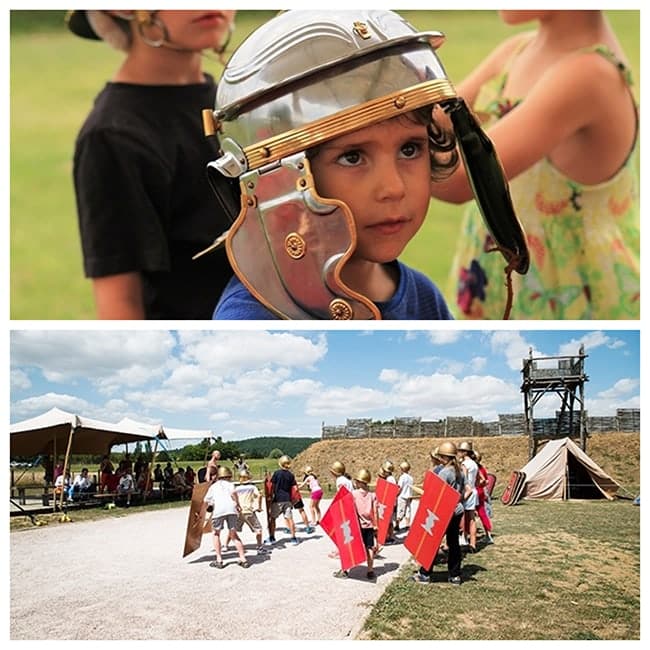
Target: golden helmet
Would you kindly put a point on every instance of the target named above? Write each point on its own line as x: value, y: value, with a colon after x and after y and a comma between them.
x: 388, y: 466
x: 405, y: 466
x: 337, y: 468
x: 309, y: 469
x: 224, y: 472
x: 448, y: 449
x: 363, y: 476
x: 466, y: 445
x: 244, y: 475
x: 435, y: 454
x: 284, y: 461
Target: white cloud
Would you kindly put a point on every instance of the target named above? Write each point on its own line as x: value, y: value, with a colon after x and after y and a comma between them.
x: 19, y: 380
x: 230, y: 353
x: 39, y: 404
x: 298, y: 388
x: 621, y: 388
x: 443, y: 337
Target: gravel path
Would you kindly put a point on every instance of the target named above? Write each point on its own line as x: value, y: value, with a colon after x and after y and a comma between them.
x: 125, y: 578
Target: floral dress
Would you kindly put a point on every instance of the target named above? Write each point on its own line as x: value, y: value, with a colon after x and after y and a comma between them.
x: 583, y: 239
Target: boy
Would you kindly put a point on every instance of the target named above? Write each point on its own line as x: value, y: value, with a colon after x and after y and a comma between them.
x: 282, y: 480
x: 250, y: 502
x: 222, y: 497
x: 327, y: 122
x: 143, y: 205
x: 405, y: 495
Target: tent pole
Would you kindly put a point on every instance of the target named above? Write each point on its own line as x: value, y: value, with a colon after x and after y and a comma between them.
x: 148, y: 481
x: 65, y: 466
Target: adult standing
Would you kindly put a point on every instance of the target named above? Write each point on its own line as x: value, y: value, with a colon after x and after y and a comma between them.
x: 144, y: 205
x: 453, y: 475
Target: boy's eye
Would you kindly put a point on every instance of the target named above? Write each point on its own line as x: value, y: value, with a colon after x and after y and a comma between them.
x: 350, y: 158
x: 411, y: 149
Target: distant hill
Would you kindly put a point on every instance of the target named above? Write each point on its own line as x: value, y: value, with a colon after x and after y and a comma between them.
x: 263, y: 445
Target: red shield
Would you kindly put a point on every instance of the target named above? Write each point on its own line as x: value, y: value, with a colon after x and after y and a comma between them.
x: 341, y: 523
x: 386, y: 497
x: 436, y: 508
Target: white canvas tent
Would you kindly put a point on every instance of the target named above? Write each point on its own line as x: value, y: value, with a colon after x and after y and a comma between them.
x: 56, y: 430
x: 561, y: 470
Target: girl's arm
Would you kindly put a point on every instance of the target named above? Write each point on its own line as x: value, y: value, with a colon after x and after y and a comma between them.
x: 564, y: 103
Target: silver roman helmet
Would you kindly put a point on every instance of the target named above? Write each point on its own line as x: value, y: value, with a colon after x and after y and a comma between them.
x: 303, y: 78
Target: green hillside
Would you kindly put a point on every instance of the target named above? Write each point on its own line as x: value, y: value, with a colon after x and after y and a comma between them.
x: 263, y: 446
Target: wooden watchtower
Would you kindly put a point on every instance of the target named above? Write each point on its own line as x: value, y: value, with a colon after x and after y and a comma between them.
x: 565, y: 377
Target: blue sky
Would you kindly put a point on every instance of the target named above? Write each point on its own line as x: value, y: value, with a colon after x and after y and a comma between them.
x: 240, y: 384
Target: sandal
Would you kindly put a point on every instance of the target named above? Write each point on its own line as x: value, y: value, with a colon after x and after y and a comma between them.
x: 243, y: 564
x: 341, y: 574
x: 216, y: 564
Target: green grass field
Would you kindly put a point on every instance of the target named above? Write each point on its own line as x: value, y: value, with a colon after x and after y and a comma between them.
x: 54, y: 77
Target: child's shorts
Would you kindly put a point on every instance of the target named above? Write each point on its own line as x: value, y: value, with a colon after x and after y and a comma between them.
x: 403, y: 504
x: 283, y: 508
x: 317, y: 495
x: 229, y: 520
x: 368, y: 537
x: 251, y: 520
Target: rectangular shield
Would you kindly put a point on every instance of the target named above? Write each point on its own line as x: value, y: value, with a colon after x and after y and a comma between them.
x: 196, y: 527
x: 341, y: 523
x: 386, y: 493
x: 436, y: 508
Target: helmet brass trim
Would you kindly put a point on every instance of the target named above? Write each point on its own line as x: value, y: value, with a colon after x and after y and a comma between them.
x: 346, y: 121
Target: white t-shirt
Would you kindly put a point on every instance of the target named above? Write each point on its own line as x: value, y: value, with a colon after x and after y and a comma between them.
x: 345, y: 482
x: 219, y: 495
x: 405, y: 483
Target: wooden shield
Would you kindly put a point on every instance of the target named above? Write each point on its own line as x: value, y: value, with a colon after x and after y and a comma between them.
x: 341, y: 523
x: 430, y: 523
x: 196, y: 527
x: 386, y: 498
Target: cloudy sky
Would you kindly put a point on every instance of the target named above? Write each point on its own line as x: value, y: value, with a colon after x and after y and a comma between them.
x: 240, y: 384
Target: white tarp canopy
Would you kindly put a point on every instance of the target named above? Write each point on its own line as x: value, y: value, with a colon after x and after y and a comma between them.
x: 49, y: 433
x: 561, y: 470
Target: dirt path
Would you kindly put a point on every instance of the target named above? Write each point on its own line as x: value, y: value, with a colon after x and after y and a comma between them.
x: 124, y: 578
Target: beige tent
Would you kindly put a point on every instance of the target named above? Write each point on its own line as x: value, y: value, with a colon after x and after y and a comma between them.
x: 561, y: 470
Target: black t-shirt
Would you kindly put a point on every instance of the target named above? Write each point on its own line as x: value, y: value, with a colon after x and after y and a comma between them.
x: 282, y: 480
x: 143, y: 199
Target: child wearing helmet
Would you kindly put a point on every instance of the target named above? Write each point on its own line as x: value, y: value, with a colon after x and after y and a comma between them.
x: 453, y: 475
x: 327, y: 122
x: 386, y: 472
x: 144, y: 207
x: 282, y: 481
x: 365, y: 504
x: 250, y: 502
x: 315, y: 493
x: 222, y: 497
x: 405, y: 495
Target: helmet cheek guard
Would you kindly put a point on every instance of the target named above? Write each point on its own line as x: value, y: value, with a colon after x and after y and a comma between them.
x: 303, y: 78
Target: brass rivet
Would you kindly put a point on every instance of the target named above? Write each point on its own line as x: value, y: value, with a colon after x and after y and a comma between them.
x: 361, y: 29
x: 265, y: 152
x: 295, y: 245
x: 340, y: 309
x: 400, y: 101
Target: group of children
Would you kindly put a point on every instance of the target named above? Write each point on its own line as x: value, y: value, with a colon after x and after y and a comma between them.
x: 234, y: 505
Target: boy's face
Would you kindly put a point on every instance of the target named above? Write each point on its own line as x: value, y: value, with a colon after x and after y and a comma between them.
x: 383, y: 173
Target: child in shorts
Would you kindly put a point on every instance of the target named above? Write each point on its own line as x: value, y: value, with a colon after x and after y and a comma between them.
x: 365, y: 503
x: 250, y: 503
x: 222, y: 497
